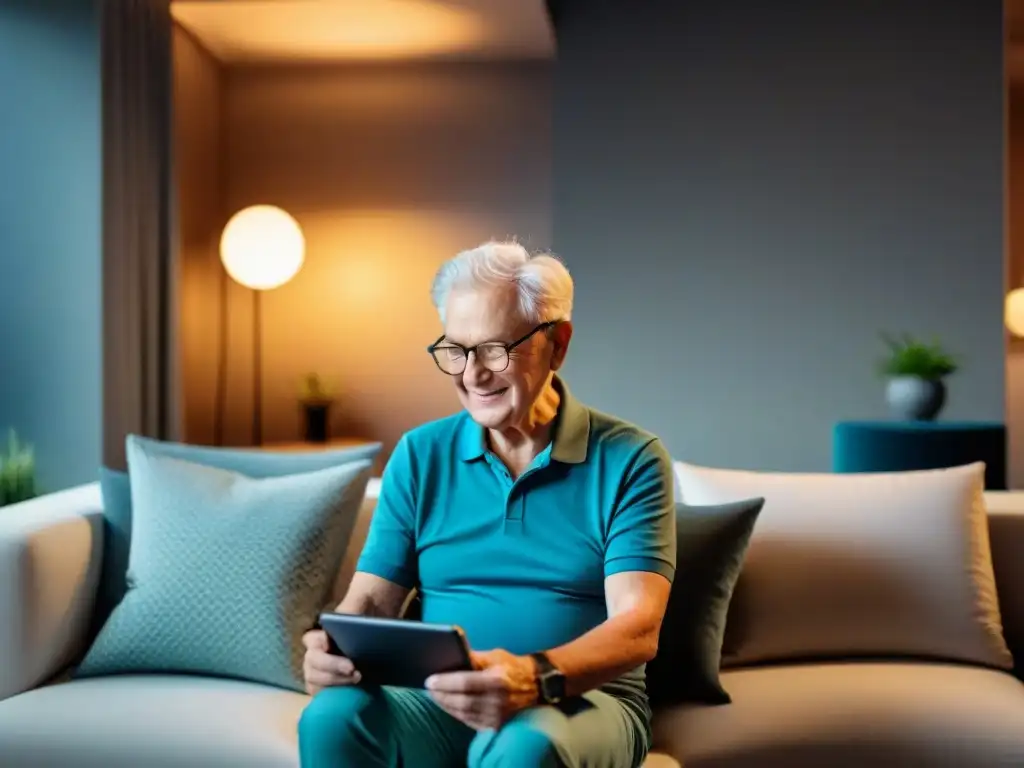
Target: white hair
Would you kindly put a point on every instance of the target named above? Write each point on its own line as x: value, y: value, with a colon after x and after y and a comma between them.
x: 541, y: 281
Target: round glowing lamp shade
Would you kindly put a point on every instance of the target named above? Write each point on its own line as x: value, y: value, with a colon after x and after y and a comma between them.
x: 262, y: 247
x: 1014, y: 316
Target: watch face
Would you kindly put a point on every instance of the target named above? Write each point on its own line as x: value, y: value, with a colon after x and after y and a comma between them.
x: 553, y: 686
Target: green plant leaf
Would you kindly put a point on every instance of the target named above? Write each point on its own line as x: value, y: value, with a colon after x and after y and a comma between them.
x: 909, y: 356
x: 17, y: 471
x: 315, y: 390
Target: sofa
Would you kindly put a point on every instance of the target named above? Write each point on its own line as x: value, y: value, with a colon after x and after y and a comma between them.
x: 835, y: 712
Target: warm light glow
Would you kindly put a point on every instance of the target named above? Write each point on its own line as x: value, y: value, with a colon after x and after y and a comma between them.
x: 366, y: 30
x: 262, y: 247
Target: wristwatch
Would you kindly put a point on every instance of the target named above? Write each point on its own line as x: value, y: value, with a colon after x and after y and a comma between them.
x: 550, y: 679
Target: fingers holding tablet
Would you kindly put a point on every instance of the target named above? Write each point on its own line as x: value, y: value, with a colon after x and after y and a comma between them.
x: 323, y: 669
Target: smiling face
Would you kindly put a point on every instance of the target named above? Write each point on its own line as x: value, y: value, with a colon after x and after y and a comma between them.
x: 498, y: 400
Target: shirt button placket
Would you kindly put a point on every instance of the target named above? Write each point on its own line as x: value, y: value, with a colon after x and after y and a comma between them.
x: 514, y: 503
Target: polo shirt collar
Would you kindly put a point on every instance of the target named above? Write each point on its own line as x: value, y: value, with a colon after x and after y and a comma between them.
x: 572, y: 428
x: 571, y: 432
x: 472, y: 445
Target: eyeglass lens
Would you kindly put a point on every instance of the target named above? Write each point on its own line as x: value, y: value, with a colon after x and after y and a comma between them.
x: 452, y: 360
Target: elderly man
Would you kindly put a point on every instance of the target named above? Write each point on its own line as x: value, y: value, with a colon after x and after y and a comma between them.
x: 543, y: 528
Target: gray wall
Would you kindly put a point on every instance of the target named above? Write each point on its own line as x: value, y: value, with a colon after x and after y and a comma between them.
x: 748, y: 193
x: 50, y: 353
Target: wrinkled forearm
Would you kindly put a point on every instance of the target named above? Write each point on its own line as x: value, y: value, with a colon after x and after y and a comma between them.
x: 611, y: 649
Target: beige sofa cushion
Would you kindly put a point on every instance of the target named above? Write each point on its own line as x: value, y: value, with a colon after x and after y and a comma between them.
x: 885, y: 564
x: 851, y: 715
x: 152, y: 721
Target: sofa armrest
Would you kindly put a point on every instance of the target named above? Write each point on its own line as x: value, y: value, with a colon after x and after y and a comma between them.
x: 50, y: 557
x: 1006, y: 537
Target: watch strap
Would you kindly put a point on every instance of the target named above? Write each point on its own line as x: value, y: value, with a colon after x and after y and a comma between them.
x: 546, y: 674
x: 544, y: 664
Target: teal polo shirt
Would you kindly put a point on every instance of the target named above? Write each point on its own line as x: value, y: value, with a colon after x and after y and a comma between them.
x: 520, y: 563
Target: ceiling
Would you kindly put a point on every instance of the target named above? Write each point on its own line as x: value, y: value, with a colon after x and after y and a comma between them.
x: 257, y: 31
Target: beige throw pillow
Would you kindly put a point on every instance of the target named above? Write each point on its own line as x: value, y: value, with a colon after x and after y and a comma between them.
x: 890, y: 564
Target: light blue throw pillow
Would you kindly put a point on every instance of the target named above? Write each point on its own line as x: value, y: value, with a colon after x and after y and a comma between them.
x: 115, y: 486
x: 226, y: 571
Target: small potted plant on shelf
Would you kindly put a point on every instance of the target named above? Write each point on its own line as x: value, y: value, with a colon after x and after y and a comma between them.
x: 17, y: 471
x: 916, y: 373
x: 316, y: 400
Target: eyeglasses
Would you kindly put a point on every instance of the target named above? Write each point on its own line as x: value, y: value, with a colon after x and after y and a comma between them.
x: 451, y: 358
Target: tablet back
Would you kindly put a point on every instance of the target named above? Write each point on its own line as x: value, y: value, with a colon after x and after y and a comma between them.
x: 396, y: 652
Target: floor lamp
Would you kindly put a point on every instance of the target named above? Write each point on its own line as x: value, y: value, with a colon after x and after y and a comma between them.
x: 262, y: 248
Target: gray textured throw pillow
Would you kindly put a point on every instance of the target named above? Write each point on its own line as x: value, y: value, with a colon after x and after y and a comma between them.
x: 226, y: 571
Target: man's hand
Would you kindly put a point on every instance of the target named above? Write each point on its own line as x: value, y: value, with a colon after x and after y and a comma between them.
x: 323, y: 669
x: 486, y: 698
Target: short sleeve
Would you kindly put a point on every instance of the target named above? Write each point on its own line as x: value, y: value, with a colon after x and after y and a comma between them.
x: 642, y: 530
x: 390, y: 549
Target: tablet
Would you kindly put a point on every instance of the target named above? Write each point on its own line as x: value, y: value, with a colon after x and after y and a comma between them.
x: 396, y: 652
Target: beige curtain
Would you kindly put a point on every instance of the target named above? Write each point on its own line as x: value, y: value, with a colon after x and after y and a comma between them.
x: 139, y: 297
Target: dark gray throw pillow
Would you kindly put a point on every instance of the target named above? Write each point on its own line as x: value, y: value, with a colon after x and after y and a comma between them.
x: 712, y: 542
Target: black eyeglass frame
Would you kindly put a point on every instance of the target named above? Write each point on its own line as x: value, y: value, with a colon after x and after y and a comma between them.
x: 508, y: 347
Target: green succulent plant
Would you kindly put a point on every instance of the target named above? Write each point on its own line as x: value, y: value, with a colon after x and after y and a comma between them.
x: 17, y: 471
x: 909, y: 356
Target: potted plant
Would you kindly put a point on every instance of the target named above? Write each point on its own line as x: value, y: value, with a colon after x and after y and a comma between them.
x: 17, y: 471
x: 316, y: 399
x: 916, y: 372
